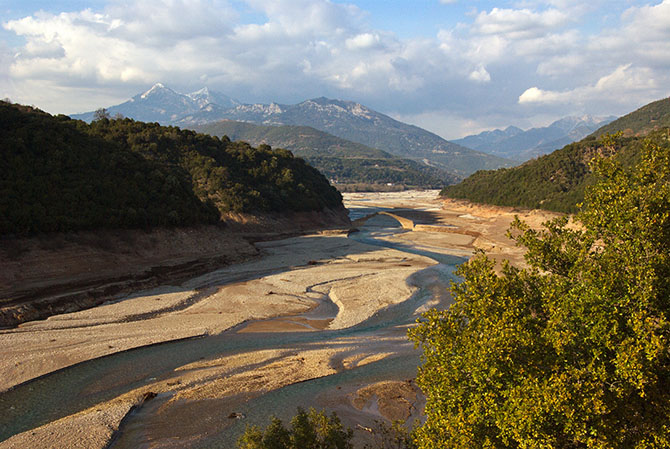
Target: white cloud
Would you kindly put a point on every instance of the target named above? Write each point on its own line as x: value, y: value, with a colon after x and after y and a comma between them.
x: 623, y: 85
x: 289, y: 50
x: 363, y: 41
x: 519, y: 23
x: 480, y: 75
x: 535, y: 95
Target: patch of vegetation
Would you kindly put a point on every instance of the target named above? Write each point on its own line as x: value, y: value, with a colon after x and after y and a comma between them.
x: 316, y: 430
x: 59, y: 174
x: 573, y: 352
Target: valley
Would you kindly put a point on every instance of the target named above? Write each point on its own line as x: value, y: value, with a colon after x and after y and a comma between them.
x: 316, y: 320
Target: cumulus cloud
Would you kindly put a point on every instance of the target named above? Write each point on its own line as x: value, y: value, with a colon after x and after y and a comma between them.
x: 363, y: 41
x: 518, y: 23
x: 480, y: 74
x: 624, y: 84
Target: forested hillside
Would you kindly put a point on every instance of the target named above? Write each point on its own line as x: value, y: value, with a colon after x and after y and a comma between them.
x: 339, y: 159
x: 555, y: 182
x: 648, y: 118
x: 59, y: 174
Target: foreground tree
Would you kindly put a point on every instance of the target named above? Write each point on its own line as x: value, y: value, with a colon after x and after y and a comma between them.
x: 574, y: 351
x: 309, y: 430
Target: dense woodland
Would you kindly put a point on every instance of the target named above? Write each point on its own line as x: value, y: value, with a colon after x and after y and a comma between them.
x: 60, y: 174
x: 554, y: 182
x: 648, y: 118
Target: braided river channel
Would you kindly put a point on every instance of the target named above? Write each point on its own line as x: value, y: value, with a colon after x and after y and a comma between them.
x: 84, y: 385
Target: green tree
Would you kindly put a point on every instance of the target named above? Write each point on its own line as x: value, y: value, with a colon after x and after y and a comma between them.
x: 574, y: 351
x: 303, y: 431
x: 309, y: 430
x: 276, y: 436
x: 101, y: 114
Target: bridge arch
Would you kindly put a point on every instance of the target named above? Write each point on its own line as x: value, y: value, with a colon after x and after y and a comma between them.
x: 406, y: 223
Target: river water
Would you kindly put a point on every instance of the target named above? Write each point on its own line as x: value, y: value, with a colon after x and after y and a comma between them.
x: 78, y: 387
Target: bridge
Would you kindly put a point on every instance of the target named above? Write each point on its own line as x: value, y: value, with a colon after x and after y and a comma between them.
x: 409, y: 225
x: 406, y: 223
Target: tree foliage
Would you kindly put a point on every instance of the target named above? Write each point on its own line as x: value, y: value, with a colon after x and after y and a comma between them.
x: 574, y: 351
x: 309, y: 430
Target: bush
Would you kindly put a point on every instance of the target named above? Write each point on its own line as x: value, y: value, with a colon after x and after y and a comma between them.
x: 309, y: 430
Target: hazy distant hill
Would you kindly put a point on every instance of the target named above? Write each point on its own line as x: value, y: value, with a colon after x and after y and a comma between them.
x: 59, y: 174
x: 344, y: 119
x: 642, y: 121
x: 557, y: 181
x: 340, y: 160
x: 515, y: 143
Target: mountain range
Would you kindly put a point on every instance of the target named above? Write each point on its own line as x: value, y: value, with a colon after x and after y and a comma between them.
x: 515, y: 143
x: 344, y: 119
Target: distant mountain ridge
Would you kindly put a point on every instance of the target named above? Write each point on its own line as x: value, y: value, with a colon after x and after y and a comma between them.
x: 344, y: 119
x: 515, y: 143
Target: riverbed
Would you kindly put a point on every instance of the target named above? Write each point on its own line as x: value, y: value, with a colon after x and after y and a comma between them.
x: 313, y: 322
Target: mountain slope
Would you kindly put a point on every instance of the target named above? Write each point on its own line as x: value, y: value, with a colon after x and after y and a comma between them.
x: 60, y: 174
x: 641, y: 121
x: 514, y: 143
x: 342, y: 161
x: 557, y: 181
x: 301, y: 140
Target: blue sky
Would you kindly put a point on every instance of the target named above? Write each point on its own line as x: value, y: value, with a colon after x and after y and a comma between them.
x: 454, y: 67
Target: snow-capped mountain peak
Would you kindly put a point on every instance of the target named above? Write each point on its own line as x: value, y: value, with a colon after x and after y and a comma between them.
x: 158, y: 88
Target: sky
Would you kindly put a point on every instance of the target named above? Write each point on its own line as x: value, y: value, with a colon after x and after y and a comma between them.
x: 454, y: 67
